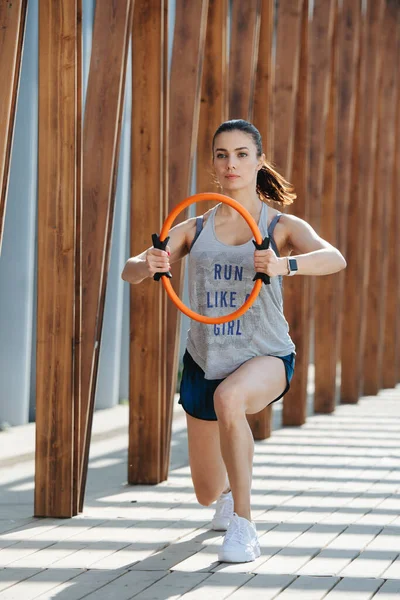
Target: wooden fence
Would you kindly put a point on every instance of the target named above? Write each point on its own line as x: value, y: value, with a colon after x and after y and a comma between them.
x: 320, y: 81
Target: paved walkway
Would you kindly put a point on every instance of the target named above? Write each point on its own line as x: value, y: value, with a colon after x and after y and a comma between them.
x: 326, y: 501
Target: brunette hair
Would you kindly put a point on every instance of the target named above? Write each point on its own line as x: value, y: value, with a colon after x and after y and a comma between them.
x: 270, y: 184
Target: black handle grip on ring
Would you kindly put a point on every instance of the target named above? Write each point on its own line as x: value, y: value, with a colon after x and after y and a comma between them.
x: 157, y: 243
x: 263, y: 246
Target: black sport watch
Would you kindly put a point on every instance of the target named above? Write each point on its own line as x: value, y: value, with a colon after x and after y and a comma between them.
x: 292, y: 266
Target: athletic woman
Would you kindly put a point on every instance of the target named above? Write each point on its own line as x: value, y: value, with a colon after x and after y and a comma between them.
x: 238, y: 368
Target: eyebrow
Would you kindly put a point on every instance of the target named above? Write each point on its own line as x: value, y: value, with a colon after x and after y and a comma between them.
x: 236, y: 149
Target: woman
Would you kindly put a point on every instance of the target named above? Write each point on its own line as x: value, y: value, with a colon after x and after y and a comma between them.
x: 241, y: 367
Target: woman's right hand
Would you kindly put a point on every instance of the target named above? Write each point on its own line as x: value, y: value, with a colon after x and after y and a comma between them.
x: 157, y: 261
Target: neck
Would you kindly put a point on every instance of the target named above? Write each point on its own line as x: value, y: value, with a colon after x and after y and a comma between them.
x: 247, y: 198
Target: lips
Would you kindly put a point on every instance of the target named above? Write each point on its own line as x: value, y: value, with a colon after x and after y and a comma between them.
x: 231, y: 176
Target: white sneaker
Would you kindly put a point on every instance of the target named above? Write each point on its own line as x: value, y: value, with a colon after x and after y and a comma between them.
x: 241, y: 542
x: 223, y: 512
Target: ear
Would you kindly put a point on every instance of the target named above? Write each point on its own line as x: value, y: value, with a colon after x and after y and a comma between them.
x: 261, y: 162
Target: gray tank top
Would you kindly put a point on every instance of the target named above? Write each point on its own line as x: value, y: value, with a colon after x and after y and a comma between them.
x: 220, y: 280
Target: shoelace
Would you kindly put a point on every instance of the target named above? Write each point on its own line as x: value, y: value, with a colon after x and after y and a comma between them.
x: 224, y: 507
x: 234, y: 533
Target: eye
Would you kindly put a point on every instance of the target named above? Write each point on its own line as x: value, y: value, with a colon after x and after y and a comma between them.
x: 221, y: 155
x: 242, y: 154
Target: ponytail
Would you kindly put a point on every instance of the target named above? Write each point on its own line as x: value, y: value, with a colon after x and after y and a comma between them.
x: 272, y: 186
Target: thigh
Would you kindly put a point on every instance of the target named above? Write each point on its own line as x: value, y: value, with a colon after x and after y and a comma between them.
x: 206, y: 464
x: 254, y: 385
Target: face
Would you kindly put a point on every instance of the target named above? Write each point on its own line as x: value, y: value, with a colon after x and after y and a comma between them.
x: 235, y: 160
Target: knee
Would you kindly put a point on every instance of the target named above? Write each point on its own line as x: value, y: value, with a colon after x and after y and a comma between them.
x: 227, y: 403
x: 206, y: 497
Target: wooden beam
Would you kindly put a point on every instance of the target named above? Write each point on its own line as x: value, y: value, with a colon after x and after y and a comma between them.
x: 185, y: 92
x: 147, y: 389
x: 297, y: 290
x: 360, y: 214
x: 101, y: 136
x: 390, y: 342
x: 322, y: 292
x: 214, y: 95
x: 12, y: 29
x: 287, y: 60
x: 57, y: 399
x: 245, y: 32
x: 327, y: 341
x: 377, y: 288
x: 290, y: 27
x: 261, y: 423
x: 396, y: 192
x: 264, y: 76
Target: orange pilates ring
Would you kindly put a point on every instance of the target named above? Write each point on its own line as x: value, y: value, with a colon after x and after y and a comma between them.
x: 162, y: 240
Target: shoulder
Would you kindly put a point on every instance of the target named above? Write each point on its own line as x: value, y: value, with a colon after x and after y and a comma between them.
x: 188, y: 227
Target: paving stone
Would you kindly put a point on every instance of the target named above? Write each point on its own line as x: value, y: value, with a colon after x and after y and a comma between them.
x: 355, y: 589
x: 308, y: 588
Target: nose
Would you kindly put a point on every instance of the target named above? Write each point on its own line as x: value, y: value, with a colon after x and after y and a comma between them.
x: 231, y: 162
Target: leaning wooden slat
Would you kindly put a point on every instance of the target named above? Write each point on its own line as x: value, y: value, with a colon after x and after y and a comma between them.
x: 214, y: 95
x: 389, y: 342
x: 185, y: 91
x: 324, y: 304
x: 396, y: 192
x: 324, y: 219
x: 260, y: 423
x: 348, y: 43
x: 147, y: 389
x: 101, y: 135
x: 245, y: 32
x: 321, y: 292
x: 297, y: 290
x: 360, y: 214
x: 12, y: 28
x: 78, y: 270
x: 287, y: 59
x: 374, y: 353
x: 58, y: 156
x: 264, y: 76
x: 283, y: 112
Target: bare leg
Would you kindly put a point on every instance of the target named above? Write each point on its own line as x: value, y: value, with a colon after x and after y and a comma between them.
x: 248, y: 390
x: 206, y: 465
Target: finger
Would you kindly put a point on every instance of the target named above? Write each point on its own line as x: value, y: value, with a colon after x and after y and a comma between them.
x: 157, y: 252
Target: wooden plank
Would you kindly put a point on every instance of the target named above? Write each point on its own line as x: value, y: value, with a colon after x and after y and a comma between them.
x: 185, y: 91
x: 297, y: 290
x: 245, y: 33
x: 148, y: 301
x: 214, y: 96
x: 397, y: 190
x: 362, y: 190
x: 378, y: 275
x: 78, y: 272
x: 264, y: 76
x: 391, y: 342
x: 12, y: 29
x: 261, y: 423
x: 59, y: 157
x: 321, y: 185
x: 328, y: 340
x: 291, y: 29
x: 287, y: 60
x: 101, y: 136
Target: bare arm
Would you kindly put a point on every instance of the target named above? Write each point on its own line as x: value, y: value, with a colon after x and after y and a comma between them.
x: 314, y: 255
x: 152, y: 260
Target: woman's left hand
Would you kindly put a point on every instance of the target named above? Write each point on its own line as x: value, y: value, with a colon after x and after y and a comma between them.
x: 266, y: 261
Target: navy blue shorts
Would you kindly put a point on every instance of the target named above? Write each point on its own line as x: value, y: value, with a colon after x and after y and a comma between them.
x: 197, y: 393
